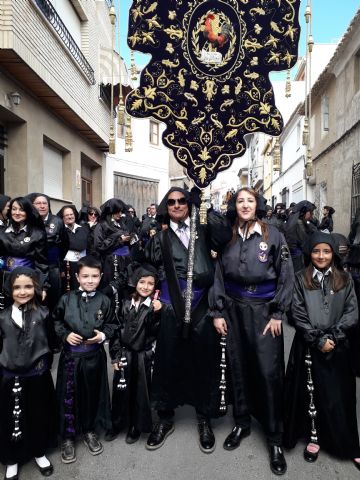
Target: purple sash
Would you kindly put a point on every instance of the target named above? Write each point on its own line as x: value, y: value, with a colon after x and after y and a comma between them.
x: 265, y: 290
x: 165, y: 294
x: 37, y: 370
x: 82, y: 348
x: 53, y: 254
x: 13, y: 262
x: 122, y: 251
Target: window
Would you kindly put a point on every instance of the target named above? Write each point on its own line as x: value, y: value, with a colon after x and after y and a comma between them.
x: 154, y: 133
x: 324, y: 113
x: 357, y: 71
x: 53, y: 171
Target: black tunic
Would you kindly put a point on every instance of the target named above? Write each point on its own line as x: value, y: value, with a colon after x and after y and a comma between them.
x: 134, y: 338
x: 24, y: 353
x: 187, y: 371
x: 256, y: 361
x: 319, y: 315
x: 77, y: 241
x: 82, y: 377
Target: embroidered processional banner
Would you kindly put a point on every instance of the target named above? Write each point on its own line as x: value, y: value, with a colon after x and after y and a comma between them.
x: 208, y: 78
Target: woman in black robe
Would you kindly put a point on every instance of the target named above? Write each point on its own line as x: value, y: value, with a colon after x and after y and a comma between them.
x: 327, y: 223
x: 113, y: 239
x: 251, y: 294
x: 23, y: 241
x: 90, y: 216
x: 77, y: 244
x: 320, y: 381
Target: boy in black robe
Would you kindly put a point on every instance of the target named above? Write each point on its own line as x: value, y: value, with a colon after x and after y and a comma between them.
x: 83, y: 320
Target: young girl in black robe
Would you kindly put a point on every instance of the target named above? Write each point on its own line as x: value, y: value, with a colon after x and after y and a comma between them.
x: 27, y: 396
x: 131, y: 354
x: 320, y: 382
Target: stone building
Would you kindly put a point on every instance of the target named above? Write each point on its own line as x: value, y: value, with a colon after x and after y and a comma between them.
x: 54, y: 120
x: 335, y: 130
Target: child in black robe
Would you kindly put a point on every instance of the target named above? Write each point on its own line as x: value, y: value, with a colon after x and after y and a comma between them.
x: 131, y: 354
x: 320, y: 382
x: 27, y: 395
x: 83, y: 320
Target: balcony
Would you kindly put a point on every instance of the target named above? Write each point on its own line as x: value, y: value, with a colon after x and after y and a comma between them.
x: 53, y: 18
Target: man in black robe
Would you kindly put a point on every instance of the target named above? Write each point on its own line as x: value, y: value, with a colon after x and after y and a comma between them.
x: 185, y: 369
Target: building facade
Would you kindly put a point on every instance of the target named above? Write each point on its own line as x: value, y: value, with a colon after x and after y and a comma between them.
x: 54, y: 126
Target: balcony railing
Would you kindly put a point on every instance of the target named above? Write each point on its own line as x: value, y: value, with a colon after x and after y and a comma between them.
x: 52, y: 16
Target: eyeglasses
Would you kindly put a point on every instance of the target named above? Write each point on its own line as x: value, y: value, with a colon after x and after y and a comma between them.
x: 91, y: 214
x: 171, y: 201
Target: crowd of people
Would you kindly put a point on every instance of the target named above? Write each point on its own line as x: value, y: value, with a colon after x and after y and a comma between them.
x: 71, y: 282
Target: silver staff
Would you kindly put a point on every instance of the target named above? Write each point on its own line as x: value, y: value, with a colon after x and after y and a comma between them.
x: 190, y: 272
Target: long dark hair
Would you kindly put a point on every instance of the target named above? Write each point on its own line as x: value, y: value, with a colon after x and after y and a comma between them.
x: 33, y: 218
x: 234, y: 218
x: 30, y: 273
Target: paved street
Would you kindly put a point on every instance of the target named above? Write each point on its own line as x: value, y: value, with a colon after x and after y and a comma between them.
x: 181, y: 459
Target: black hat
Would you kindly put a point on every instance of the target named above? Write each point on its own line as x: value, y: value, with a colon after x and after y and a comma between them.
x: 137, y: 271
x: 73, y: 208
x: 331, y: 210
x: 321, y: 237
x: 28, y: 272
x: 303, y: 207
x: 111, y: 206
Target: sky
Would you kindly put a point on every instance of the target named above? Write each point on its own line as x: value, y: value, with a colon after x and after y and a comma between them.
x: 330, y: 20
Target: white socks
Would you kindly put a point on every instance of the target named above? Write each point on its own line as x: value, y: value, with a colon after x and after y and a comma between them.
x: 42, y: 461
x: 11, y: 470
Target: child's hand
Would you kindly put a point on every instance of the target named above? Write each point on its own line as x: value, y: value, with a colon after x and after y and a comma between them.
x: 43, y: 295
x: 329, y: 345
x: 74, y: 339
x: 117, y: 366
x: 157, y: 305
x: 274, y: 326
x: 96, y: 339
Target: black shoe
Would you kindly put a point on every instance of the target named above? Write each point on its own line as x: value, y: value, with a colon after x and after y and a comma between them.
x: 132, y: 435
x: 68, y: 451
x: 206, y: 436
x: 357, y: 464
x: 92, y: 442
x: 310, y: 456
x: 159, y: 434
x: 234, y: 438
x: 277, y: 460
x: 110, y: 435
x: 45, y: 471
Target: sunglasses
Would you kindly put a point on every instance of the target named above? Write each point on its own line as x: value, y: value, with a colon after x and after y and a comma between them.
x: 92, y: 214
x: 171, y: 202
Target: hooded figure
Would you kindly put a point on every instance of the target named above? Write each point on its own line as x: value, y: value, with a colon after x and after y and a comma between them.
x: 298, y: 229
x: 114, y: 237
x: 327, y: 224
x: 319, y: 373
x: 185, y: 371
x: 4, y: 200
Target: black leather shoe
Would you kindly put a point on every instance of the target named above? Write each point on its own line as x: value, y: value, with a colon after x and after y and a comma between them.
x: 92, y: 442
x: 277, y: 460
x: 68, y: 451
x: 132, y: 435
x: 234, y: 438
x: 110, y: 435
x: 357, y: 464
x: 46, y: 471
x: 310, y: 456
x: 206, y: 436
x: 159, y: 434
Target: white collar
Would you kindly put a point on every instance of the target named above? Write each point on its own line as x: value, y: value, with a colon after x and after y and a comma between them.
x: 256, y: 229
x: 87, y: 294
x: 175, y: 226
x: 320, y: 275
x: 10, y: 228
x: 73, y: 230
x: 146, y: 302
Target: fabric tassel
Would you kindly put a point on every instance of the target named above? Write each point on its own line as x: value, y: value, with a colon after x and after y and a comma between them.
x: 122, y: 382
x: 69, y: 415
x: 222, y: 386
x: 17, y: 434
x: 310, y: 388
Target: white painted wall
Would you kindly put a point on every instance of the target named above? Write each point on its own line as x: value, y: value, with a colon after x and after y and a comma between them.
x: 70, y: 18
